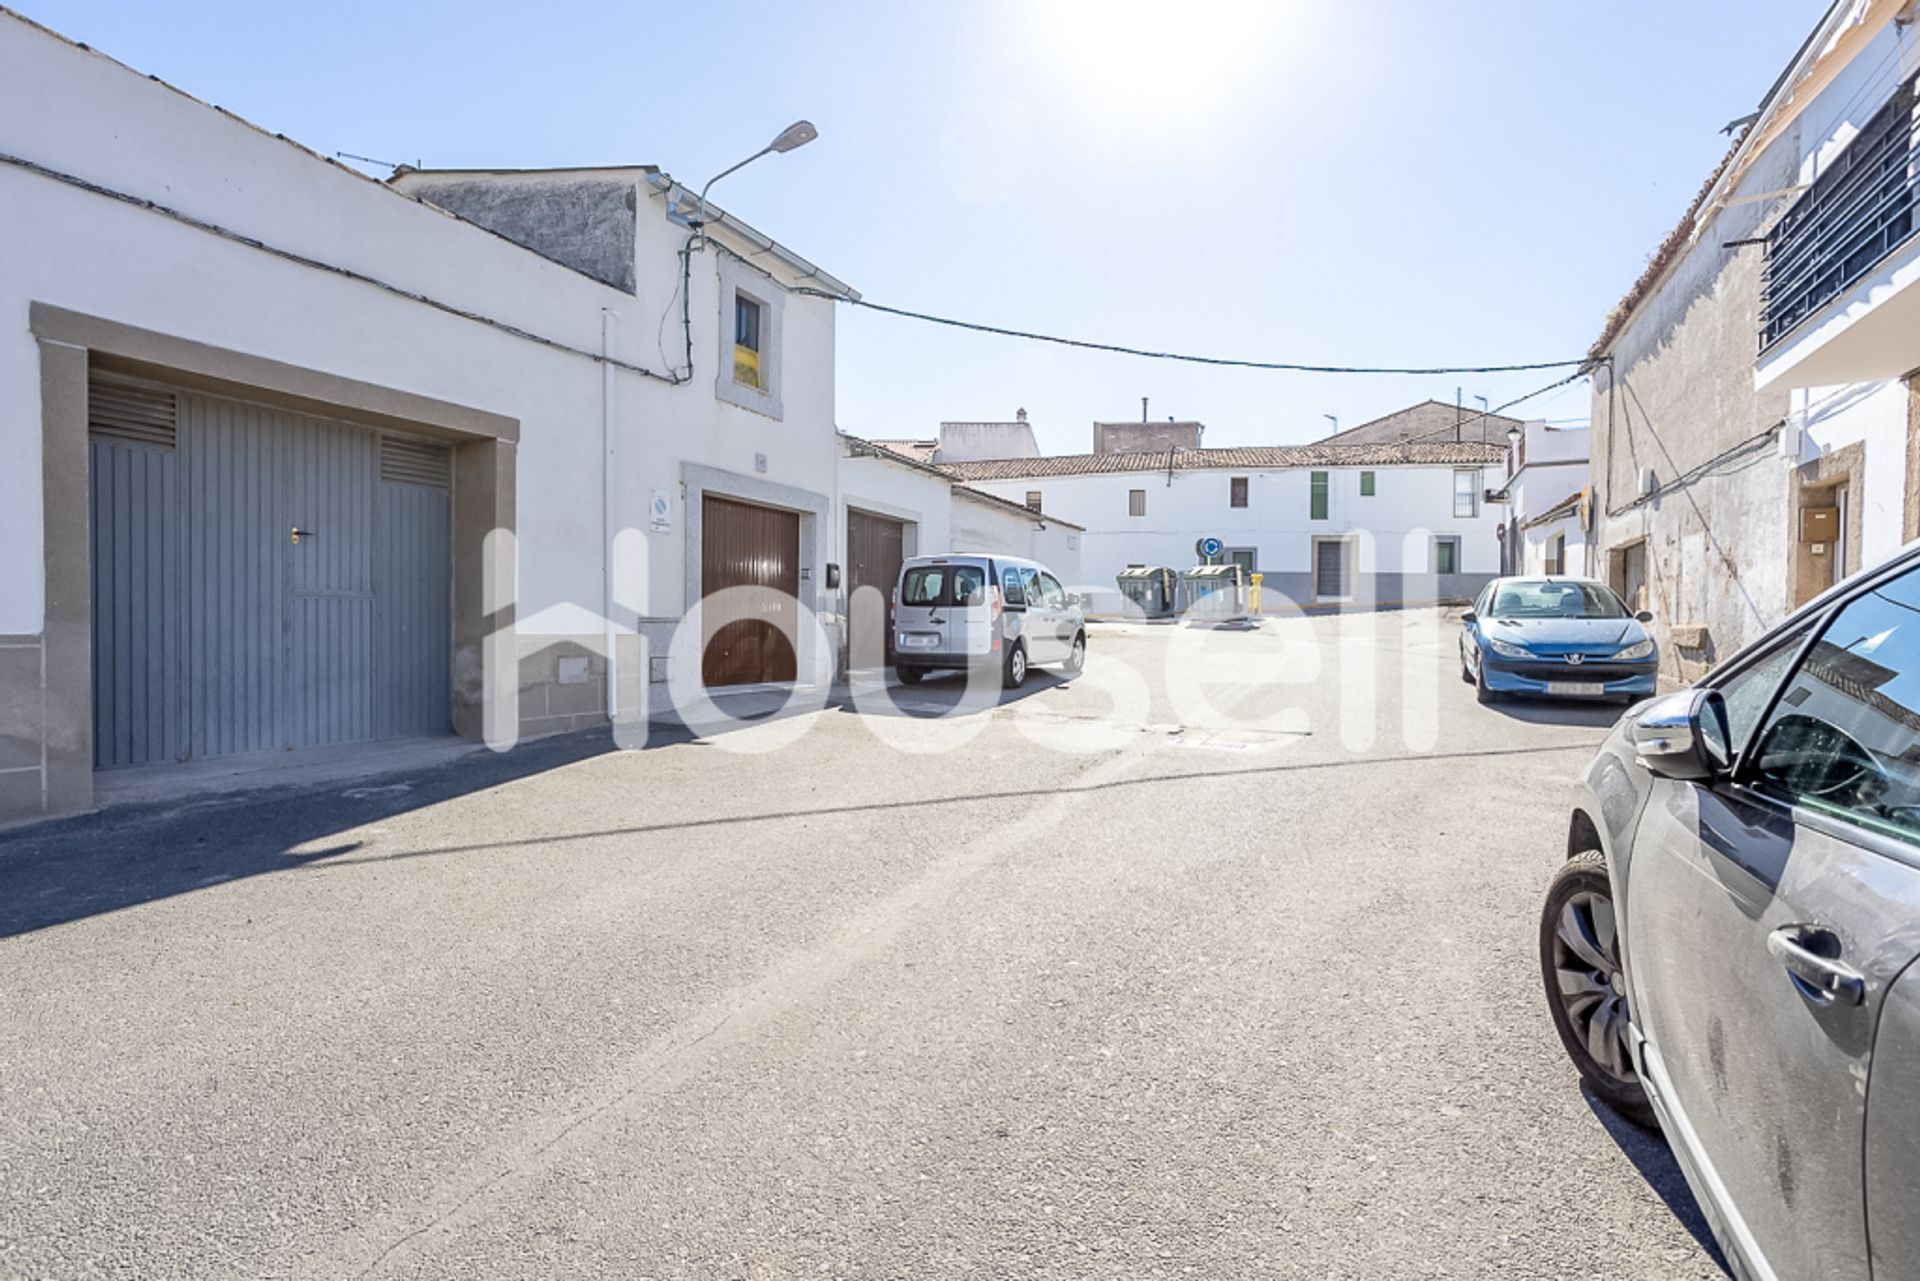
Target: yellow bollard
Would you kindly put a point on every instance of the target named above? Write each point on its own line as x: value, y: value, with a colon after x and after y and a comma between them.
x: 1253, y: 594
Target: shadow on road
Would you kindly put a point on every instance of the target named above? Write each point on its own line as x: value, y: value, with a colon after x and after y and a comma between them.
x: 142, y: 852
x: 72, y: 868
x: 1655, y: 1161
x: 1541, y: 711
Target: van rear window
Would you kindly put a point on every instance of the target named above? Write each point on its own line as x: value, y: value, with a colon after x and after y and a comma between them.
x: 928, y: 585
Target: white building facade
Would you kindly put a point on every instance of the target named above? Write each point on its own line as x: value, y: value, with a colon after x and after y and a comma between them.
x: 1546, y: 479
x: 1755, y: 405
x: 1323, y: 525
x: 297, y: 459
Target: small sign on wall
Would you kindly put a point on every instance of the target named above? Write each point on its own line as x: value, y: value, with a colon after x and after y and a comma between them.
x: 660, y: 512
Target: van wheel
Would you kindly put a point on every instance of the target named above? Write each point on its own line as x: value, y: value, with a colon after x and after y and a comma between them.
x: 1077, y: 656
x: 1015, y: 674
x: 909, y: 675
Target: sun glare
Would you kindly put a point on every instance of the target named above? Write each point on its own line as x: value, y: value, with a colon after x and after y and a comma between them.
x: 1160, y: 56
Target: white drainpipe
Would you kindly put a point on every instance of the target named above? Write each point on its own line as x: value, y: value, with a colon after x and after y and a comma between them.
x: 609, y: 320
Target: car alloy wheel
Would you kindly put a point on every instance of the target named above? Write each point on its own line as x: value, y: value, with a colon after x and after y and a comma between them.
x: 1586, y: 986
x: 1077, y: 656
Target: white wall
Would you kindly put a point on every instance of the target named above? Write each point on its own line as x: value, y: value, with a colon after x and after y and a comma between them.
x: 904, y: 493
x: 80, y: 113
x: 1555, y: 468
x: 1195, y: 504
x: 1533, y: 544
x: 1874, y: 416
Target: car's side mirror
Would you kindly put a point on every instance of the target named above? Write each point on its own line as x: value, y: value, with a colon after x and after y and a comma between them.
x: 1644, y: 616
x: 1469, y: 617
x: 1684, y: 736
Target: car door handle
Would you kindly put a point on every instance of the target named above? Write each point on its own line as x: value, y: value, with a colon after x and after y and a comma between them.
x: 1810, y: 955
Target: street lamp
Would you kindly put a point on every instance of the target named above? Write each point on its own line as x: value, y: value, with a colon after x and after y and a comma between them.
x: 796, y: 135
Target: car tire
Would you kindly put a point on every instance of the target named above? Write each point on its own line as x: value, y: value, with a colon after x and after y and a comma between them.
x: 1013, y: 673
x: 1585, y: 986
x: 909, y: 675
x: 1466, y: 673
x: 1481, y: 691
x: 1076, y: 655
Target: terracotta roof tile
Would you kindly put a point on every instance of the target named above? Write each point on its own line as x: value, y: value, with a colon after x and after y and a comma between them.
x: 1251, y: 457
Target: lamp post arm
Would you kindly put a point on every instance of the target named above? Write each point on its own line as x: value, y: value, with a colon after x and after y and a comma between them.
x: 723, y: 173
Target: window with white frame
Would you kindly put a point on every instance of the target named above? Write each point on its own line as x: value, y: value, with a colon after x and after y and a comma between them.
x: 1446, y: 555
x: 1466, y: 492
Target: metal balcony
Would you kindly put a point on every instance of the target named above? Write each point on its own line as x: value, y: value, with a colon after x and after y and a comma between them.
x: 1852, y: 218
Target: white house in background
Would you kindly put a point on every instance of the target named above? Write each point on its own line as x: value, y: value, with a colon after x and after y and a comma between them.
x: 1555, y: 541
x: 1374, y: 524
x: 1546, y: 477
x: 298, y: 458
x: 966, y: 441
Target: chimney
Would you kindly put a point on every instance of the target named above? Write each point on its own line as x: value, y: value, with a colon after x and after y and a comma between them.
x: 1020, y: 414
x: 1143, y: 409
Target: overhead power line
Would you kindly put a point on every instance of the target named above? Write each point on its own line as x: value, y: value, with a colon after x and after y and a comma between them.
x: 1226, y: 361
x: 1453, y: 428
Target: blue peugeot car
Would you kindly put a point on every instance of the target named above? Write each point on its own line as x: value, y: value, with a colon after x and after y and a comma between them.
x: 1556, y: 638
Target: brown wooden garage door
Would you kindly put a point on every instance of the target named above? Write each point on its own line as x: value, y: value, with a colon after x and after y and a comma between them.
x: 742, y: 545
x: 875, y: 548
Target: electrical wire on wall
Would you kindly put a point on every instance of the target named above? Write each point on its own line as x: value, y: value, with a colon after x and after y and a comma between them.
x: 1747, y: 453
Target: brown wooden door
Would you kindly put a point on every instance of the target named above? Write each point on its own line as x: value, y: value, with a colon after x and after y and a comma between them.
x: 742, y: 545
x: 876, y: 547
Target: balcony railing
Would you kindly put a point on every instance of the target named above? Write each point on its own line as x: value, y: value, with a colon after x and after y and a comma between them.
x: 1850, y: 220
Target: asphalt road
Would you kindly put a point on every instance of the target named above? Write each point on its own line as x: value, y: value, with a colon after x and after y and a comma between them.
x: 1234, y: 981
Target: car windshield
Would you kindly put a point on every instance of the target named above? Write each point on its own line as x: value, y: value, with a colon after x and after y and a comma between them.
x: 1551, y: 598
x: 942, y: 585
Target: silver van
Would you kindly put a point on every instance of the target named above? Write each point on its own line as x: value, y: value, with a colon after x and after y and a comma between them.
x: 962, y: 611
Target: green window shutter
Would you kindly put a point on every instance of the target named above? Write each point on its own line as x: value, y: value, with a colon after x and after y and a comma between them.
x: 1318, y: 510
x: 1366, y: 484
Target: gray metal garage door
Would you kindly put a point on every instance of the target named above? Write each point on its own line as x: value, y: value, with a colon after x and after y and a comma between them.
x: 219, y: 629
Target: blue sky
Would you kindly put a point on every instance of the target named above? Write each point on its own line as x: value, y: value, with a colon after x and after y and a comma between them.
x: 1394, y: 183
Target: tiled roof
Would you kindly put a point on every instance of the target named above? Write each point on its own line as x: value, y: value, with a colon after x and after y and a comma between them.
x: 857, y: 447
x: 1670, y: 251
x: 1565, y: 507
x: 1428, y: 420
x: 1251, y: 457
x: 918, y: 450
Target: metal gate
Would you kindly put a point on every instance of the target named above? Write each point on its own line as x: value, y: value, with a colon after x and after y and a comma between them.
x: 1330, y: 570
x: 742, y: 545
x: 876, y: 548
x: 261, y: 579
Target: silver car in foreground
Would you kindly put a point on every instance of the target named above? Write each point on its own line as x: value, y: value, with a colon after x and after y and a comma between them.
x: 1728, y: 950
